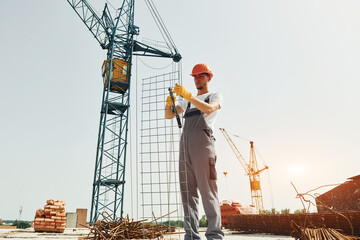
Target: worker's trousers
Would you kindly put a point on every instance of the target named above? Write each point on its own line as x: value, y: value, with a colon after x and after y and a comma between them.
x: 197, y: 172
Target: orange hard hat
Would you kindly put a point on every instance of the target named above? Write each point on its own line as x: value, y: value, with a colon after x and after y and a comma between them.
x: 201, y: 68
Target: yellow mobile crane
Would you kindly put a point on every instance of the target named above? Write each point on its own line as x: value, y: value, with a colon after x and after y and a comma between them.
x: 251, y: 170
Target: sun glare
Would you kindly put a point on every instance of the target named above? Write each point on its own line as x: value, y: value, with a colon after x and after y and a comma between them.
x: 297, y: 169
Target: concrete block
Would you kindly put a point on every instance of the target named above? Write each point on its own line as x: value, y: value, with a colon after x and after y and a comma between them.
x: 71, y: 220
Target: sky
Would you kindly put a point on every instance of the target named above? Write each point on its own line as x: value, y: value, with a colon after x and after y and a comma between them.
x: 288, y: 71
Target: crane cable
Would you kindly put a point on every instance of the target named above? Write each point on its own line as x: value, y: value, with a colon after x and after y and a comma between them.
x: 116, y: 10
x: 157, y: 22
x: 166, y: 31
x: 155, y: 68
x: 161, y: 25
x: 256, y: 149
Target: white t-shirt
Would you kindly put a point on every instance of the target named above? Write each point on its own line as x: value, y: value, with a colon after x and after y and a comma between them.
x: 209, y: 118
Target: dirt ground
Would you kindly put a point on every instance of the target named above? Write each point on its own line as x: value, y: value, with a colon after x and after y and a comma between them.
x: 78, y: 233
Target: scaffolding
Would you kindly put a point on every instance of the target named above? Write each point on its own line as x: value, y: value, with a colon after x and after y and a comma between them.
x: 159, y: 143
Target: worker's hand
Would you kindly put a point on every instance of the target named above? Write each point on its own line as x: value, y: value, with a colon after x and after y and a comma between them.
x: 180, y: 90
x: 169, y: 101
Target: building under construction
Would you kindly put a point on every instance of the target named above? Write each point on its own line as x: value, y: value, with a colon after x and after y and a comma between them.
x: 345, y: 197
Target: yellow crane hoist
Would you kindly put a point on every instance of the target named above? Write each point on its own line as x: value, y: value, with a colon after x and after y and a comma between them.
x: 251, y: 170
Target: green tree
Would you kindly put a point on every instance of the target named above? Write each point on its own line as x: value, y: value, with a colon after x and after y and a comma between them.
x: 273, y: 211
x: 266, y: 211
x: 285, y: 211
x: 177, y: 223
x: 300, y: 211
x: 203, y: 221
x: 21, y: 224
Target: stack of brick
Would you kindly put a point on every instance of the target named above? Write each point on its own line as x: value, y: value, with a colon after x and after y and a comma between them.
x: 52, y: 218
x: 230, y: 207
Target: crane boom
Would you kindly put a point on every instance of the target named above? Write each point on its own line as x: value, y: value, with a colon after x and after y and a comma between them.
x: 93, y: 22
x: 238, y: 155
x: 251, y: 170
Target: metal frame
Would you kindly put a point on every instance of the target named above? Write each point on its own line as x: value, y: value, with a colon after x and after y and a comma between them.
x: 159, y: 140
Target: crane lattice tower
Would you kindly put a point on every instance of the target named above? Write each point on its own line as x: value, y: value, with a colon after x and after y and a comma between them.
x: 115, y: 34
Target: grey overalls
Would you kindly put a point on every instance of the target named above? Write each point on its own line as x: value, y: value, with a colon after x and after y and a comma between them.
x: 197, y: 169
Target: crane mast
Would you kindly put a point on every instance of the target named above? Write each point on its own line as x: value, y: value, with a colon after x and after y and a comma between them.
x: 115, y: 35
x: 251, y: 170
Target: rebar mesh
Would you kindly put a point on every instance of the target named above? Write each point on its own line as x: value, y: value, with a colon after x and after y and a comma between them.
x: 159, y: 167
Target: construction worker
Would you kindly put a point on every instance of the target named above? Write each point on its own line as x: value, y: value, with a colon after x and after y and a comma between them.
x: 197, y: 153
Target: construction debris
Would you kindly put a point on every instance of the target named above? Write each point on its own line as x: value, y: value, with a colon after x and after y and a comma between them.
x: 318, y: 233
x: 127, y: 228
x: 52, y: 218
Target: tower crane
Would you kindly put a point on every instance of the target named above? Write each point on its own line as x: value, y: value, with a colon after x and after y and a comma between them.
x: 115, y: 34
x: 251, y: 170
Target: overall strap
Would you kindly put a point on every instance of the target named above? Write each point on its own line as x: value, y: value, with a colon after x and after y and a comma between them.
x: 194, y: 111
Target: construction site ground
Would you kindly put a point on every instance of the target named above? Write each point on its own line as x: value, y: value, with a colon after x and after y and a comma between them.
x: 78, y: 233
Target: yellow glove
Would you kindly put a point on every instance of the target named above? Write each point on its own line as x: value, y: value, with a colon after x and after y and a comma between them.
x: 180, y: 90
x: 169, y: 101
